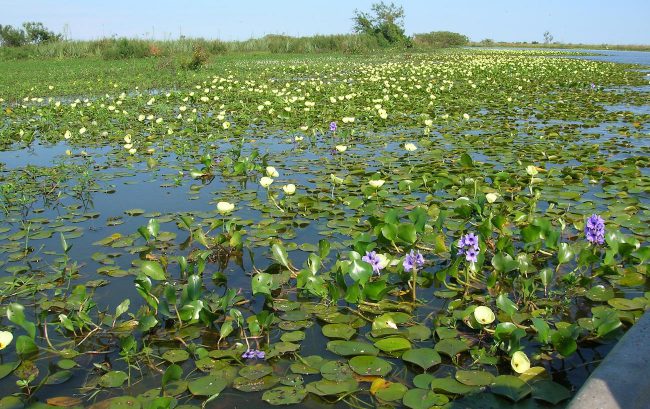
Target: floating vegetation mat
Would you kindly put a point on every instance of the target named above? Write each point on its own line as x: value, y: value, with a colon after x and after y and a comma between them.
x: 466, y: 229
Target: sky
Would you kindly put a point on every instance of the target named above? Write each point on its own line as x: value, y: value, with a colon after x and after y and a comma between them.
x: 570, y: 21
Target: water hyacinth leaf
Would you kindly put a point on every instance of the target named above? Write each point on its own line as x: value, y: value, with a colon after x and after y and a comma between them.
x: 26, y: 347
x: 284, y: 395
x: 565, y: 253
x: 280, y: 255
x: 504, y: 263
x: 370, y: 366
x: 153, y: 270
x: 16, y: 314
x: 425, y: 358
x: 7, y: 368
x: 58, y: 377
x: 506, y: 305
x: 262, y: 283
x: 549, y: 391
x: 113, y: 379
x: 624, y: 304
x: 511, y: 387
x: 172, y: 373
x: 349, y: 348
x: 207, y: 386
x: 423, y: 399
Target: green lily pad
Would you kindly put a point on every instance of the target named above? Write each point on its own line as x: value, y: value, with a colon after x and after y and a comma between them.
x: 425, y: 358
x: 370, y: 366
x: 176, y: 355
x: 423, y: 399
x: 474, y: 378
x: 284, y: 395
x: 207, y: 386
x: 326, y: 387
x: 511, y: 387
x: 393, y: 344
x: 342, y: 331
x: 349, y: 348
x: 550, y: 392
x: 336, y: 371
x: 255, y: 385
x: 451, y: 347
x: 256, y: 371
x: 392, y: 392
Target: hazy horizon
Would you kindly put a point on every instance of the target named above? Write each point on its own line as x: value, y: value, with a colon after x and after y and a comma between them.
x: 581, y: 21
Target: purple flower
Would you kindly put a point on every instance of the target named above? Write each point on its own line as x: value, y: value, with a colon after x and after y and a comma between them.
x: 374, y: 260
x: 253, y: 354
x: 413, y: 261
x: 595, y: 229
x: 468, y: 245
x: 333, y: 126
x: 593, y: 86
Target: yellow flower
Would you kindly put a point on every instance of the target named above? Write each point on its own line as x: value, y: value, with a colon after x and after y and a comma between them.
x: 520, y: 362
x: 82, y: 131
x: 348, y: 119
x: 5, y: 339
x: 266, y: 181
x: 289, y: 189
x: 132, y: 151
x: 484, y: 315
x: 341, y: 148
x: 225, y: 207
x: 271, y: 172
x: 491, y: 197
x: 67, y: 135
x: 127, y: 138
x: 410, y: 147
x: 377, y: 183
x: 428, y: 122
x: 466, y: 116
x: 226, y: 125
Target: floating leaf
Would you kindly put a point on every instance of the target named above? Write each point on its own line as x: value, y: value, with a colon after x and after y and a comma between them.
x: 511, y: 387
x: 425, y: 358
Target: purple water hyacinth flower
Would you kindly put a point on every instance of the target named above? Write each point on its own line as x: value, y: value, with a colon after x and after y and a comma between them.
x: 593, y: 86
x: 374, y: 260
x: 468, y: 246
x: 595, y: 229
x: 413, y: 261
x: 253, y: 354
x: 333, y: 126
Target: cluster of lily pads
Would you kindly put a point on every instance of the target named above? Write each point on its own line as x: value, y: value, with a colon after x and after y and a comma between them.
x: 467, y: 229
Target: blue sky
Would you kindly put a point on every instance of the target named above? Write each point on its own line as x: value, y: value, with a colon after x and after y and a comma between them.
x: 578, y: 21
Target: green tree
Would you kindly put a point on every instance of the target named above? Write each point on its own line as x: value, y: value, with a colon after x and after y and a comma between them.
x: 37, y: 33
x: 385, y: 21
x: 11, y: 36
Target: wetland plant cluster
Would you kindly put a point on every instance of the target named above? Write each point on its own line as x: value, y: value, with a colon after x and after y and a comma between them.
x: 467, y: 229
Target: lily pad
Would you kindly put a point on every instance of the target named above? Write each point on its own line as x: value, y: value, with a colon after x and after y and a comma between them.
x: 511, y: 387
x: 370, y: 366
x: 350, y: 348
x: 284, y: 395
x: 425, y: 358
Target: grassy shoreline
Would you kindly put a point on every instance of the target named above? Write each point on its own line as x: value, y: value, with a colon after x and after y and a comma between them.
x: 616, y: 47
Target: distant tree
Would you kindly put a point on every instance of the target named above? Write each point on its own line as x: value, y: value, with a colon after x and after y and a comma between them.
x: 441, y: 39
x: 385, y: 21
x: 31, y: 33
x: 11, y: 36
x: 37, y: 33
x: 548, y: 37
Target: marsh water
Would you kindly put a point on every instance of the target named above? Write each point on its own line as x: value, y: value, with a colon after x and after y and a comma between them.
x: 120, y: 196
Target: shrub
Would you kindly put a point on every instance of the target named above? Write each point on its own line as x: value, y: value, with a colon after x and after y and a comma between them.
x: 440, y: 39
x: 199, y: 59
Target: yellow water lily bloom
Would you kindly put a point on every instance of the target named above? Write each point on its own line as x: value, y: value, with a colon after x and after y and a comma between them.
x: 491, y: 197
x: 410, y: 147
x: 5, y: 339
x: 520, y: 362
x: 289, y: 188
x: 341, y: 148
x: 225, y: 207
x: 271, y: 172
x: 266, y: 181
x: 377, y: 183
x: 67, y: 135
x: 484, y: 315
